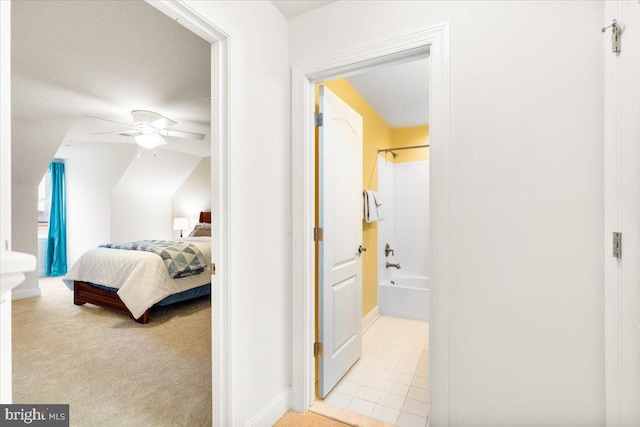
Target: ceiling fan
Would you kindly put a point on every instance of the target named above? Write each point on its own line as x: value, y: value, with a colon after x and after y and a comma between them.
x: 149, y: 129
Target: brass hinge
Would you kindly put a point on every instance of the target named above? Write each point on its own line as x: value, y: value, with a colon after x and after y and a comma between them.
x: 317, y: 234
x: 317, y: 349
x: 213, y: 268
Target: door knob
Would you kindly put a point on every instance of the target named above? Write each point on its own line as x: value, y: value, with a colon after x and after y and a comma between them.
x: 361, y: 249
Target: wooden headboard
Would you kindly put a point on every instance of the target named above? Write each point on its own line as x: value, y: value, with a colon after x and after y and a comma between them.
x: 205, y: 217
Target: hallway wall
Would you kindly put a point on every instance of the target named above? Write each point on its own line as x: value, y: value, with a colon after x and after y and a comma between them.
x: 525, y: 315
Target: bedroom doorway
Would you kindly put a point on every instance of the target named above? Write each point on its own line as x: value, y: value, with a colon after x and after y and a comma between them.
x: 433, y: 42
x: 225, y: 173
x: 226, y: 182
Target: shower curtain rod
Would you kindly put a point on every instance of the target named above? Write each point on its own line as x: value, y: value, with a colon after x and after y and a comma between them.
x: 381, y: 150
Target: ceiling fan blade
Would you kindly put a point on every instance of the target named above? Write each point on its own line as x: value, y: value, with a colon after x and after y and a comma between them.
x: 130, y: 133
x: 164, y: 141
x: 107, y: 133
x: 163, y: 123
x: 112, y: 121
x: 178, y: 134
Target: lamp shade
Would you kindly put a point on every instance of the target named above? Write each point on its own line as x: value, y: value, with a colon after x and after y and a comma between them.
x: 180, y: 223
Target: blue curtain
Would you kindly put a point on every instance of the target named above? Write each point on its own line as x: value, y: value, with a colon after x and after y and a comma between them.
x: 57, y: 239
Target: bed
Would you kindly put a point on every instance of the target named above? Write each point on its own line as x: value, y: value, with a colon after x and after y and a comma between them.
x: 133, y: 281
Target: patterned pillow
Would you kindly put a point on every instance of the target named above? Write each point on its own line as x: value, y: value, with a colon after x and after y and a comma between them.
x: 201, y: 229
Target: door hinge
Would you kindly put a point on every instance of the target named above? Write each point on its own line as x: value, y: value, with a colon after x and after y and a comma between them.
x: 317, y: 349
x: 213, y: 268
x: 317, y: 234
x: 615, y: 35
x: 617, y: 245
x: 317, y: 119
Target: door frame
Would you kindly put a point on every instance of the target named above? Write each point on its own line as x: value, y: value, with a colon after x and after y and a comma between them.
x: 226, y: 199
x: 432, y: 40
x: 618, y: 317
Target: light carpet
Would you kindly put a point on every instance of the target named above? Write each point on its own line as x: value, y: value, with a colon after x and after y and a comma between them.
x: 111, y: 370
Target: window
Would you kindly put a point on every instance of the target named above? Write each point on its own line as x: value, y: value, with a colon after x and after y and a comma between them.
x: 44, y: 204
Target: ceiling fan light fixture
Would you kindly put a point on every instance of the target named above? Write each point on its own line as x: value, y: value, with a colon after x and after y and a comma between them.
x: 148, y: 140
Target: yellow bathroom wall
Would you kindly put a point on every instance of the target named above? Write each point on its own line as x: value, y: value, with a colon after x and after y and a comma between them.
x: 406, y: 137
x: 376, y: 134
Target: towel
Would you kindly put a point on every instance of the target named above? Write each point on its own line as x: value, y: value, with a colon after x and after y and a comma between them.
x: 370, y: 209
x: 379, y: 208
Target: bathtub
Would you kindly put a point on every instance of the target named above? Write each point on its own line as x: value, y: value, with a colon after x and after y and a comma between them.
x: 406, y: 297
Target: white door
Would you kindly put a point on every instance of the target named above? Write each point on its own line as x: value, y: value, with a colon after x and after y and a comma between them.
x: 622, y: 214
x: 340, y: 217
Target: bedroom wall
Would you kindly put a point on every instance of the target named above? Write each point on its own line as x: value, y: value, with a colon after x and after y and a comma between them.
x: 141, y: 200
x: 5, y: 127
x: 91, y: 172
x: 24, y: 232
x: 266, y: 298
x: 27, y: 134
x: 526, y: 231
x: 193, y: 196
x: 5, y: 194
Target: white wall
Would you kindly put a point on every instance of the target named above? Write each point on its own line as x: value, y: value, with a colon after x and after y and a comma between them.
x: 33, y: 146
x: 266, y: 373
x: 24, y: 214
x: 5, y: 125
x: 525, y: 296
x: 91, y: 172
x: 5, y: 193
x: 193, y: 196
x: 141, y: 205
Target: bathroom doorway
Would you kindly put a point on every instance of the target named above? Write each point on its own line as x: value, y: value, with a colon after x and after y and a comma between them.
x: 389, y: 380
x: 433, y: 41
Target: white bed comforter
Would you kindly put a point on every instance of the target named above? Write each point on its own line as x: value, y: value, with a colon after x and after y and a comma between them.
x: 142, y: 278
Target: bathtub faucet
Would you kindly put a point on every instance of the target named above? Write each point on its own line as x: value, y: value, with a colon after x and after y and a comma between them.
x: 396, y: 265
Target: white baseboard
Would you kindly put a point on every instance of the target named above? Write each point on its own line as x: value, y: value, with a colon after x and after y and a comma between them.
x: 273, y: 411
x: 369, y: 318
x: 18, y: 293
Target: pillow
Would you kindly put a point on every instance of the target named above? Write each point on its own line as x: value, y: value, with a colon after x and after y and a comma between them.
x: 201, y: 229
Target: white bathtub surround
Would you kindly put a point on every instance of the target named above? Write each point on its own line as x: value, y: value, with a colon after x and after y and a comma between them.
x: 405, y: 297
x: 385, y: 228
x: 411, y: 217
x: 390, y: 382
x: 405, y: 188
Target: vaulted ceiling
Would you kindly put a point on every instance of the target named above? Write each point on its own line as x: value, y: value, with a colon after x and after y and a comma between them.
x: 72, y: 59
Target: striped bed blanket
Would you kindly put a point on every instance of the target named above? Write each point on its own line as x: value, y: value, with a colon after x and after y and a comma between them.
x: 182, y: 259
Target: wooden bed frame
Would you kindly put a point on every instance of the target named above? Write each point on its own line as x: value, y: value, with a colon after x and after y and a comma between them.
x: 84, y: 292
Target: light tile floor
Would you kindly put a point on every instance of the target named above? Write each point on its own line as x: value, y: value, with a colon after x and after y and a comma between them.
x: 390, y: 382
